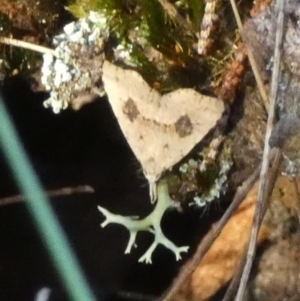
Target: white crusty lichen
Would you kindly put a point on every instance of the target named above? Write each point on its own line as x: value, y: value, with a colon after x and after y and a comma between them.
x: 74, y: 69
x: 212, y: 165
x: 150, y: 223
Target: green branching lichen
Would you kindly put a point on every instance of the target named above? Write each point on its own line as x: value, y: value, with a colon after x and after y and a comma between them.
x: 150, y: 223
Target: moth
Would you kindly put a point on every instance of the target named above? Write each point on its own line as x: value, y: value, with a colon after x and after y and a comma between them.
x: 160, y: 129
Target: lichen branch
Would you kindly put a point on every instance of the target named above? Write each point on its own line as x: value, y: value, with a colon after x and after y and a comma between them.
x: 150, y: 223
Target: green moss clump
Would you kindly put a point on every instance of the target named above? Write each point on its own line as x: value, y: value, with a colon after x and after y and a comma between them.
x: 146, y: 27
x: 5, y: 23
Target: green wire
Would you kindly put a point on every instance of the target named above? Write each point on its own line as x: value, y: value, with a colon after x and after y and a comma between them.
x: 40, y: 209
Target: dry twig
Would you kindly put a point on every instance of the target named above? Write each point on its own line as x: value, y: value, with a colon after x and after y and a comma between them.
x: 277, y: 154
x: 26, y: 45
x: 51, y: 193
x: 262, y: 192
x: 252, y: 61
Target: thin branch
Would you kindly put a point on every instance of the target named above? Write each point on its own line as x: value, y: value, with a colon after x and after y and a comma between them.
x: 277, y: 154
x: 26, y: 45
x: 252, y: 61
x: 261, y: 199
x: 233, y: 286
x: 51, y: 193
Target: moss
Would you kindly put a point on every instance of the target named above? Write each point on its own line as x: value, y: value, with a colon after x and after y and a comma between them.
x: 5, y: 23
x: 158, y: 34
x: 196, y: 11
x: 143, y: 25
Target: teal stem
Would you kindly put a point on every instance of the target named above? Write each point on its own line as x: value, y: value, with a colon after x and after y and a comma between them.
x: 42, y: 213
